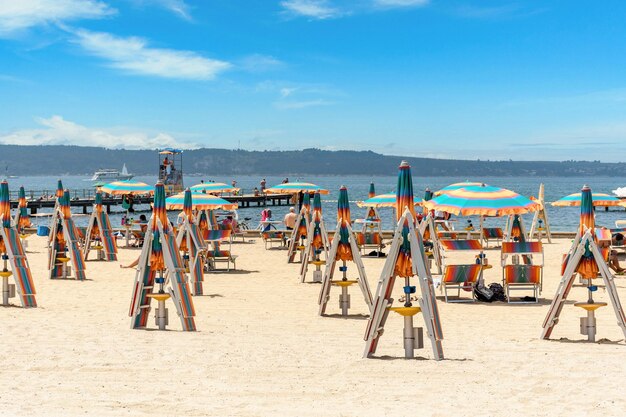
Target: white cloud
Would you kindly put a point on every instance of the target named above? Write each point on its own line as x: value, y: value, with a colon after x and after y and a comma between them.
x: 260, y: 63
x: 132, y: 54
x: 18, y: 15
x: 400, y: 3
x: 58, y: 131
x: 315, y: 9
x: 178, y: 7
x: 290, y: 105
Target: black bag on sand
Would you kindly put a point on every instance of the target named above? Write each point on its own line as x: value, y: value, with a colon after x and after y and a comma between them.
x: 482, y: 293
x: 498, y: 292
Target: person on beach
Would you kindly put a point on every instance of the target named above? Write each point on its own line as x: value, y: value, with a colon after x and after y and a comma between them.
x: 290, y: 218
x: 613, y: 261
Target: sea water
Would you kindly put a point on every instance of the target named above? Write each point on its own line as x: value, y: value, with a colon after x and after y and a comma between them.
x: 561, y: 218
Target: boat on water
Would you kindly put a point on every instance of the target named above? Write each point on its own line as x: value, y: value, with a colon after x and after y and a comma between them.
x: 620, y: 192
x: 104, y: 176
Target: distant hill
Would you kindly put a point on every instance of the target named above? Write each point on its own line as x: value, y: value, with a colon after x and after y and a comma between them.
x: 78, y: 160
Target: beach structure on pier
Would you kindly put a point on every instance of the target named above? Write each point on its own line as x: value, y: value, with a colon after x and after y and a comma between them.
x: 14, y: 260
x: 161, y: 273
x: 406, y: 259
x: 64, y: 246
x: 343, y: 249
x: 585, y: 259
x: 99, y: 234
x: 317, y: 244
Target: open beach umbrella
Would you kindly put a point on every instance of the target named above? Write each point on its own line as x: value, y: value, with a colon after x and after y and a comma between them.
x: 404, y: 200
x: 587, y: 266
x: 317, y: 241
x: 23, y: 221
x: 384, y: 200
x: 599, y: 199
x: 456, y: 186
x: 482, y: 200
x: 198, y: 201
x: 214, y: 188
x: 295, y: 188
x: 344, y: 250
x: 127, y: 187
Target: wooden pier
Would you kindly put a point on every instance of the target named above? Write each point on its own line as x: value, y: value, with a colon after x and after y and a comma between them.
x: 85, y: 199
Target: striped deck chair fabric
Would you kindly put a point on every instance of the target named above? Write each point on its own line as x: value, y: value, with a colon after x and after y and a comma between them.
x: 493, y: 233
x: 180, y: 285
x: 109, y: 244
x: 460, y: 277
x: 469, y: 244
x: 527, y: 276
x: 76, y: 254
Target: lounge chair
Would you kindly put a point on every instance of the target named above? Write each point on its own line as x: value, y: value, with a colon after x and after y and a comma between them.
x: 459, y: 276
x: 525, y: 270
x: 492, y: 234
x: 215, y: 253
x: 368, y: 241
x: 272, y: 236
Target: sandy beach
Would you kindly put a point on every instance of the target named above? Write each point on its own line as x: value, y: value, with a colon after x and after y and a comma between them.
x: 261, y: 349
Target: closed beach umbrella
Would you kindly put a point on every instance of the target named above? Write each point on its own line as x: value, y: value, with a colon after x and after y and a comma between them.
x: 384, y: 200
x: 98, y: 209
x: 5, y: 206
x: 296, y: 188
x: 372, y: 191
x: 404, y: 200
x: 157, y: 262
x: 98, y: 201
x: 599, y: 199
x: 316, y: 240
x: 23, y: 219
x: 127, y: 188
x: 587, y: 266
x: 187, y: 205
x: 516, y: 229
x: 60, y: 189
x: 64, y: 204
x: 198, y: 201
x: 456, y: 186
x: 214, y: 188
x: 344, y: 251
x: 428, y: 195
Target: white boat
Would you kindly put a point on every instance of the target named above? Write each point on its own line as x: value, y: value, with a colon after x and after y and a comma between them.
x: 620, y: 192
x: 109, y: 175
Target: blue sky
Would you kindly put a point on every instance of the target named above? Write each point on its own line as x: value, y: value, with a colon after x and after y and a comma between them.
x: 532, y: 80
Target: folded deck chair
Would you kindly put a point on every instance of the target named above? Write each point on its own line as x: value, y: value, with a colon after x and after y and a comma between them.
x: 522, y: 268
x: 217, y: 240
x: 493, y: 234
x: 273, y: 236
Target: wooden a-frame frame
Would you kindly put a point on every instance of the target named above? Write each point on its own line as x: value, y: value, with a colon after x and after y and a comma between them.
x: 331, y: 263
x: 196, y: 246
x: 383, y: 301
x: 310, y: 254
x: 542, y: 215
x: 569, y: 275
x: 428, y: 223
x: 303, y: 218
x: 100, y: 220
x: 72, y: 242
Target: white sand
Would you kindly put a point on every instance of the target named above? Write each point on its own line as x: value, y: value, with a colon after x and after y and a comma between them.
x: 262, y: 350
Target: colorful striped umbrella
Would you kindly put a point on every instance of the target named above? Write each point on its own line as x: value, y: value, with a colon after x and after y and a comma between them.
x: 157, y: 263
x: 127, y: 187
x: 599, y: 199
x: 587, y: 266
x: 64, y: 204
x: 60, y: 189
x: 95, y: 232
x: 456, y: 186
x: 187, y: 205
x: 295, y: 188
x: 516, y: 229
x: 198, y: 201
x: 344, y: 250
x: 384, y: 200
x: 23, y: 219
x: 306, y: 202
x: 214, y: 188
x: 482, y: 200
x: 372, y: 192
x: 404, y: 197
x: 316, y: 240
x: 5, y: 205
